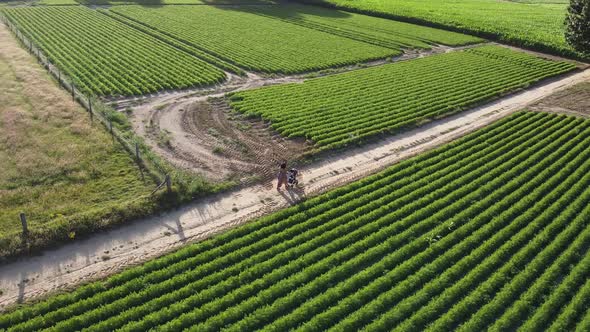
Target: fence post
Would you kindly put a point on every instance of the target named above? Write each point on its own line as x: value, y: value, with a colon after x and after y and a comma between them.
x: 137, y: 151
x: 168, y: 183
x: 58, y: 75
x: 23, y: 220
x: 73, y: 91
x: 111, y: 127
x: 90, y: 108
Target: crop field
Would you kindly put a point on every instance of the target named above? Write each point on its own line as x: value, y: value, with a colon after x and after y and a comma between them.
x: 106, y: 57
x: 62, y: 172
x: 373, y: 30
x: 337, y: 110
x: 264, y: 44
x: 531, y: 23
x: 169, y: 2
x: 489, y: 232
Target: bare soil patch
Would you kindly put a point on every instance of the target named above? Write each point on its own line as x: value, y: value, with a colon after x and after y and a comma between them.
x: 207, y: 137
x: 572, y: 101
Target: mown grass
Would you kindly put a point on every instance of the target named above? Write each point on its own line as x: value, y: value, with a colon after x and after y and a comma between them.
x: 67, y: 175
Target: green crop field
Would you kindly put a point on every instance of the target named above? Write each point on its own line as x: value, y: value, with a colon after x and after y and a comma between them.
x: 373, y: 30
x: 538, y: 24
x: 263, y: 44
x: 169, y: 2
x: 107, y: 57
x: 489, y: 232
x: 336, y: 110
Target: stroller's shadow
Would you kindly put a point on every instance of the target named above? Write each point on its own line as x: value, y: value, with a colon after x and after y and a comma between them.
x: 293, y: 195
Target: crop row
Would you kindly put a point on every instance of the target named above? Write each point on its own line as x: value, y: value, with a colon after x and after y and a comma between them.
x: 377, y: 31
x: 254, y: 42
x: 488, y: 232
x: 340, y: 109
x: 106, y: 57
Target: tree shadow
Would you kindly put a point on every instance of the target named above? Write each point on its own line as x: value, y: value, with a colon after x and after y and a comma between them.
x: 147, y: 3
x: 276, y: 9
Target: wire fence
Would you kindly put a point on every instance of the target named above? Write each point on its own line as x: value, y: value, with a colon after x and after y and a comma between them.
x: 99, y: 111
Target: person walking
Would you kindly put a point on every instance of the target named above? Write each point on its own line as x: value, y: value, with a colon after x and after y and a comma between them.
x: 282, y: 176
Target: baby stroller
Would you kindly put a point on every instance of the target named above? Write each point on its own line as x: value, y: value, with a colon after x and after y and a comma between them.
x: 292, y: 178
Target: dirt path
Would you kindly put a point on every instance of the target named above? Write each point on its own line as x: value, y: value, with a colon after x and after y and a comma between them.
x: 114, y: 250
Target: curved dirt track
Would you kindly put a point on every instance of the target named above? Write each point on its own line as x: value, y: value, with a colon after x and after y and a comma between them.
x: 202, y: 135
x: 111, y: 251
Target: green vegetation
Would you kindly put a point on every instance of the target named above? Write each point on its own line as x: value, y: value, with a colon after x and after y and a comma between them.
x: 57, y: 2
x: 168, y: 2
x: 373, y: 30
x: 69, y: 177
x: 536, y: 24
x: 176, y: 43
x: 491, y: 231
x: 336, y: 110
x: 262, y: 44
x: 107, y: 57
x: 578, y: 25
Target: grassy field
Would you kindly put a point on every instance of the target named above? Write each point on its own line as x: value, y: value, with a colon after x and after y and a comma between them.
x: 489, y: 232
x: 66, y: 175
x: 340, y: 109
x: 106, y: 57
x: 536, y: 24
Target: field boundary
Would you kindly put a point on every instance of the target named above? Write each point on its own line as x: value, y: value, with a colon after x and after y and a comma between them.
x: 171, y: 186
x: 92, y: 105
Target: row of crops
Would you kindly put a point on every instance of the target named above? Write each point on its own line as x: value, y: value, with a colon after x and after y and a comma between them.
x: 254, y: 42
x: 106, y: 57
x: 351, y: 107
x: 377, y: 31
x: 489, y: 232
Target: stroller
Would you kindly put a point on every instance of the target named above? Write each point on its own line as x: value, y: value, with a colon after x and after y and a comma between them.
x: 292, y: 178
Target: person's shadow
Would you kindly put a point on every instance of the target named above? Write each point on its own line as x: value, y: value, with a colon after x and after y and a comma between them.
x: 293, y: 195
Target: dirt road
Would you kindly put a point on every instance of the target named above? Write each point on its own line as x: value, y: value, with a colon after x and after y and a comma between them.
x: 131, y: 244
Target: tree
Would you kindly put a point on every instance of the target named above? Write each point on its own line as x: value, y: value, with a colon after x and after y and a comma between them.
x: 578, y: 25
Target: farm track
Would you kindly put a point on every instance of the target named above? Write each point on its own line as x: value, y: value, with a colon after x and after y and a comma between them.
x: 136, y: 242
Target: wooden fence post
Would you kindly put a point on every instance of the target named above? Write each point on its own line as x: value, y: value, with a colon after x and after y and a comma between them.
x: 168, y: 183
x: 23, y: 220
x: 73, y: 91
x: 111, y: 127
x: 137, y: 151
x: 90, y: 109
